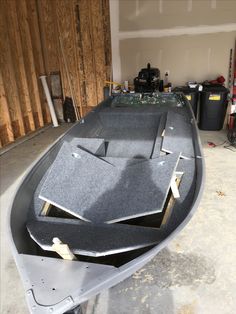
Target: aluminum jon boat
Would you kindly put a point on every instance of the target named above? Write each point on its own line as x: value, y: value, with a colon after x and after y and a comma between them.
x: 105, y: 198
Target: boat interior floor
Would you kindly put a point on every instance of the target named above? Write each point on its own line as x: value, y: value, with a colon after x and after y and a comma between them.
x: 111, y: 190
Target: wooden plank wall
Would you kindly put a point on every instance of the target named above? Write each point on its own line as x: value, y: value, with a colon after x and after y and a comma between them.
x: 40, y: 33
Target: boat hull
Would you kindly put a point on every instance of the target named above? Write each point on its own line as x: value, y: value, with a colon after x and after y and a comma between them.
x: 40, y: 273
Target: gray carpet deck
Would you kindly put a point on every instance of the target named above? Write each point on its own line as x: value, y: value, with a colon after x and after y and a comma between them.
x: 135, y: 119
x: 178, y: 136
x: 93, y: 145
x: 122, y: 163
x: 129, y: 148
x: 93, y: 239
x: 130, y: 134
x: 129, y: 142
x: 94, y: 190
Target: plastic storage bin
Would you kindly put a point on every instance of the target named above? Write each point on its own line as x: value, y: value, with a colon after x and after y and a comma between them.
x: 213, y: 106
x: 192, y: 96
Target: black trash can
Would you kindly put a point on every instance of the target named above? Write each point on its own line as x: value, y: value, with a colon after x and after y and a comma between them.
x: 213, y: 106
x: 192, y: 96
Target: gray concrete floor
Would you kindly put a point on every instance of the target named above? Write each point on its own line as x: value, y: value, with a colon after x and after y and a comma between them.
x: 195, y: 274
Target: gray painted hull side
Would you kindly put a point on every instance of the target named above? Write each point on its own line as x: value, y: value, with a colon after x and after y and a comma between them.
x: 91, y: 279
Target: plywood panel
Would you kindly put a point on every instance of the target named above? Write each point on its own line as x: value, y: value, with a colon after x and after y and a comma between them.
x: 98, y: 45
x: 107, y: 38
x: 33, y: 20
x: 30, y: 69
x: 6, y: 132
x: 19, y: 66
x: 65, y: 24
x: 80, y: 58
x: 84, y: 29
x: 57, y: 46
x: 30, y: 46
x: 50, y: 40
x: 49, y: 35
x: 87, y: 52
x: 9, y: 77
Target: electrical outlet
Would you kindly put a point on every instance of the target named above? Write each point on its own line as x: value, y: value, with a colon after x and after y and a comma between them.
x: 167, y: 71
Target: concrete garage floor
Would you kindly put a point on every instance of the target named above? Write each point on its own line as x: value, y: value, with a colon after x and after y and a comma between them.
x: 195, y: 274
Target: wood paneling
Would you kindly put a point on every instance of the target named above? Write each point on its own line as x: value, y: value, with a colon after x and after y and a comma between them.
x: 68, y: 49
x: 9, y: 77
x: 33, y: 20
x: 6, y: 130
x: 19, y: 66
x: 34, y: 37
x: 85, y: 36
x: 30, y: 68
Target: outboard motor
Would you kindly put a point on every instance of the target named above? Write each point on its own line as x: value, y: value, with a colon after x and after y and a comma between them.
x: 148, y: 80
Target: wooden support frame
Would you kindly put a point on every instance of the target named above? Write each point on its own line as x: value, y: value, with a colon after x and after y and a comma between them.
x: 172, y: 199
x: 174, y: 184
x: 46, y: 209
x: 63, y: 249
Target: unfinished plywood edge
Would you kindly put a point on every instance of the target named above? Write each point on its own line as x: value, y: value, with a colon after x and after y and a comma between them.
x: 62, y: 249
x: 172, y: 199
x: 46, y: 208
x: 174, y: 187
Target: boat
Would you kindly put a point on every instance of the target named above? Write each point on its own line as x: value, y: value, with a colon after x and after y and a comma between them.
x: 105, y: 198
